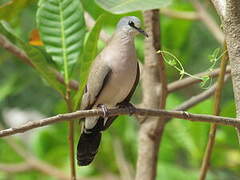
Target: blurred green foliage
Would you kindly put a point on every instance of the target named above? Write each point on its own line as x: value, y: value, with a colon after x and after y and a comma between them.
x: 183, y: 143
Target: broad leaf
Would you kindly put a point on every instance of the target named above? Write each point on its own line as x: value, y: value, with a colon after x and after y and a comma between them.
x: 36, y: 57
x: 125, y: 6
x: 62, y: 31
x: 88, y: 55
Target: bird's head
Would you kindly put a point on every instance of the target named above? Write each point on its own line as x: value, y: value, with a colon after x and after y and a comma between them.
x: 131, y: 25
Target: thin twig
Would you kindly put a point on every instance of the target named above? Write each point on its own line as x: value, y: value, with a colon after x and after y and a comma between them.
x: 183, y: 83
x: 179, y: 14
x: 208, y: 21
x: 70, y: 134
x: 121, y: 111
x: 198, y: 98
x: 213, y: 129
x: 15, y: 168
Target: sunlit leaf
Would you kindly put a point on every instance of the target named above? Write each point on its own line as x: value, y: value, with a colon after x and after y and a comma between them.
x: 88, y: 55
x: 62, y: 29
x: 124, y: 6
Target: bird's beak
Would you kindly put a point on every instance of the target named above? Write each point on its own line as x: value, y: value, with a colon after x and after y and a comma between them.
x: 140, y: 30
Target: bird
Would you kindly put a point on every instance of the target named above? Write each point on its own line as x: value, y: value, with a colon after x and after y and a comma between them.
x: 112, y: 80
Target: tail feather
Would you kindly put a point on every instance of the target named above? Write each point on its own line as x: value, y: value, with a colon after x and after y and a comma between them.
x: 90, y: 140
x: 87, y: 147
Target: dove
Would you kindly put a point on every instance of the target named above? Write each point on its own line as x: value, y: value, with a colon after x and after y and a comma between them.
x: 112, y: 80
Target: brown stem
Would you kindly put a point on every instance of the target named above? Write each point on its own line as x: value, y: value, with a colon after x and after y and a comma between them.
x: 153, y: 79
x: 71, y: 134
x: 122, y: 111
x: 231, y: 26
x: 213, y: 129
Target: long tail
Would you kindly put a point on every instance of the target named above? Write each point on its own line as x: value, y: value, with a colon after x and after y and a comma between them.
x: 87, y: 147
x: 90, y: 140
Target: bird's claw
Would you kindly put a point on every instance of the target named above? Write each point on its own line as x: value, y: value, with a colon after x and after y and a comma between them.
x: 130, y: 106
x: 104, y: 109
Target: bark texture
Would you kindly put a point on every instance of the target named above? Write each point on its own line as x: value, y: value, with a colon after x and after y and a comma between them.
x: 154, y: 96
x: 231, y: 24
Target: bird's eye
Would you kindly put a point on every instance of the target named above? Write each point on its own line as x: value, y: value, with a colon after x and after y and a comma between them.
x: 130, y: 23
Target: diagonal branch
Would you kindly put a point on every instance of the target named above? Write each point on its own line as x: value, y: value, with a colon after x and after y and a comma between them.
x: 208, y: 21
x: 213, y: 129
x: 183, y: 83
x: 198, y: 98
x: 122, y: 111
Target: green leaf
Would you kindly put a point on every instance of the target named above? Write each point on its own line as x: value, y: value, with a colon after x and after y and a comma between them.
x: 88, y: 55
x: 125, y: 6
x: 13, y: 6
x: 36, y: 57
x: 62, y: 30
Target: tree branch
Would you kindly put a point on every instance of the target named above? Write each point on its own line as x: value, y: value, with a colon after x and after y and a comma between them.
x: 208, y: 21
x: 213, y: 129
x: 154, y: 84
x: 183, y: 83
x: 231, y: 26
x: 122, y: 111
x: 198, y: 98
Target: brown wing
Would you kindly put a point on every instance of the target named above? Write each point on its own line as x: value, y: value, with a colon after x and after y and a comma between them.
x: 128, y: 98
x: 96, y: 82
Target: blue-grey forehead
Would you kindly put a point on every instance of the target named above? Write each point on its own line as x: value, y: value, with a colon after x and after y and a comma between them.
x: 125, y: 20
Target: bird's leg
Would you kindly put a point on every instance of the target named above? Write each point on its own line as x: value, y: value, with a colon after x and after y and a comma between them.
x: 104, y: 109
x: 130, y: 106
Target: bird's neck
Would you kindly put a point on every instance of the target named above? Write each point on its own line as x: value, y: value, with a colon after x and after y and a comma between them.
x: 123, y: 38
